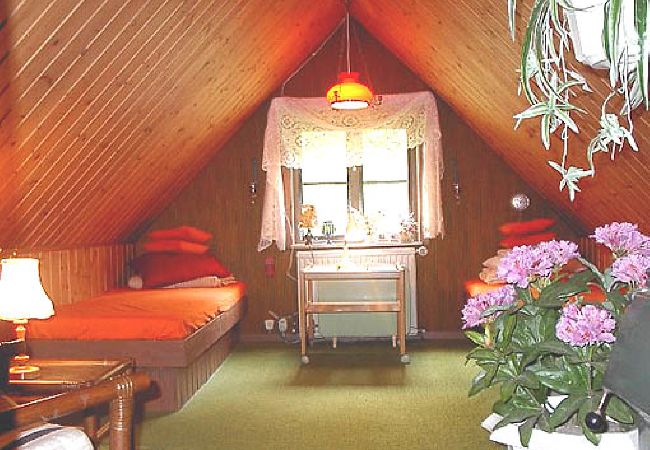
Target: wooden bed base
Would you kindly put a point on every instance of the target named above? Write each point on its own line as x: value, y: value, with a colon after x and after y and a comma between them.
x: 177, y: 368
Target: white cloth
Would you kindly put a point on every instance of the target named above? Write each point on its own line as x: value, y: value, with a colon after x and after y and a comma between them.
x: 289, y: 117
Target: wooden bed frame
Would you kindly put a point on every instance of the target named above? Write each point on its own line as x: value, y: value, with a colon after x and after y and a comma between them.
x: 177, y: 368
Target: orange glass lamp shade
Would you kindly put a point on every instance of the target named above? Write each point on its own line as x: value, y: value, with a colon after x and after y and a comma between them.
x: 349, y: 93
x: 22, y: 297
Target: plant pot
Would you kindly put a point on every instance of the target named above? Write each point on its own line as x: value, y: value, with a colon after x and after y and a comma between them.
x: 570, y: 439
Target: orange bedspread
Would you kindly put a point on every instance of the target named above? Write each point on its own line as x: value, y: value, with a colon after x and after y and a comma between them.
x: 151, y: 314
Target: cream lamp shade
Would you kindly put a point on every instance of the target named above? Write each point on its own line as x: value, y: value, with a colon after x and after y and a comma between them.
x: 21, y: 294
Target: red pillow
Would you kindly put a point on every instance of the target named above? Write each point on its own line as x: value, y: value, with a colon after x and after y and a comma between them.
x: 528, y: 227
x: 174, y: 246
x: 531, y: 239
x: 184, y: 232
x: 161, y: 269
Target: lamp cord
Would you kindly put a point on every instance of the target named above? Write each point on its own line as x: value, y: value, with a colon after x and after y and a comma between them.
x: 347, y: 38
x: 311, y: 56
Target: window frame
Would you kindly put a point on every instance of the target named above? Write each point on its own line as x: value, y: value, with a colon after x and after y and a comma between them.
x: 355, y: 193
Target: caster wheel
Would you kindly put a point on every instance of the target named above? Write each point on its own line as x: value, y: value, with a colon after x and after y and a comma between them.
x: 405, y: 359
x: 305, y: 359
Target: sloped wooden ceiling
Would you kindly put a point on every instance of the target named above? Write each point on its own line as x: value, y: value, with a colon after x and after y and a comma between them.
x: 108, y: 108
x: 462, y: 49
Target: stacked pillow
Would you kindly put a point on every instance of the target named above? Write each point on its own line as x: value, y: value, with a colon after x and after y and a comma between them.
x: 178, y: 257
x: 530, y: 232
x: 513, y: 234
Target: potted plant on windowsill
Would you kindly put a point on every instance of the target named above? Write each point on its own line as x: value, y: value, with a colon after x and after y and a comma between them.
x: 548, y: 332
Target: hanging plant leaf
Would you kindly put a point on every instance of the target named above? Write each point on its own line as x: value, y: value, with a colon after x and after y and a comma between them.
x: 640, y: 18
x: 612, y: 20
x: 512, y: 10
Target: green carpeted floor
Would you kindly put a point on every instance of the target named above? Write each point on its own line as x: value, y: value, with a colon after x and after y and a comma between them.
x: 355, y: 397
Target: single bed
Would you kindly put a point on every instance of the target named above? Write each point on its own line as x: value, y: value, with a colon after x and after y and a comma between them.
x: 179, y: 337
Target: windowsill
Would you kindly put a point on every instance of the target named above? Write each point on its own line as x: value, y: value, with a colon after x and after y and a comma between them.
x: 323, y: 245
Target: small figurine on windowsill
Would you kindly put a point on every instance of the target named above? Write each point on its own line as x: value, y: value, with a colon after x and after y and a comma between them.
x: 408, y: 229
x: 308, y: 219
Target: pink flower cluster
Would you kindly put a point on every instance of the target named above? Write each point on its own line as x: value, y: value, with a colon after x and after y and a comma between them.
x: 475, y: 306
x: 622, y: 238
x: 523, y: 264
x: 580, y: 326
x: 632, y: 268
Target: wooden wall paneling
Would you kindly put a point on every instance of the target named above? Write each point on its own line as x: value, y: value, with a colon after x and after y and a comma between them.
x: 107, y: 110
x: 70, y: 275
x: 218, y: 200
x: 462, y: 49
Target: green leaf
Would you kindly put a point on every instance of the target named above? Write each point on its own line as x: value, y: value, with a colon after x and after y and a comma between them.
x: 556, y: 347
x: 483, y: 355
x: 566, y: 409
x: 483, y: 380
x: 475, y: 337
x: 555, y: 294
x: 516, y: 415
x: 527, y: 45
x: 640, y: 18
x: 558, y: 380
x: 612, y: 17
x: 586, y: 408
x: 526, y: 430
x: 618, y: 410
x: 507, y: 389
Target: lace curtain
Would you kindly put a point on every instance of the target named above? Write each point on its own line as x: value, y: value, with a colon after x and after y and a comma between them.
x: 293, y: 122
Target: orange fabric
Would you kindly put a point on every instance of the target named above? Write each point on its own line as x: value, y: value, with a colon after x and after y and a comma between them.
x: 174, y: 246
x: 183, y: 232
x: 528, y: 227
x: 532, y: 239
x: 138, y: 314
x: 476, y: 287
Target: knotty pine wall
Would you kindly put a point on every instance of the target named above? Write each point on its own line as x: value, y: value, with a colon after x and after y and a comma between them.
x: 218, y: 200
x: 70, y: 275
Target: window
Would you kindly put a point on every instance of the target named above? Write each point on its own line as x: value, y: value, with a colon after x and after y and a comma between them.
x: 379, y: 179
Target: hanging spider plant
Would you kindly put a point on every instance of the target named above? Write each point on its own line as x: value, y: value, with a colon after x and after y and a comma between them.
x: 550, y: 83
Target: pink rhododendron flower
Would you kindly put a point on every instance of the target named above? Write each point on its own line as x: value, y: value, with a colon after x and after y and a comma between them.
x: 622, y: 237
x: 475, y: 306
x: 589, y: 324
x: 631, y: 269
x: 526, y: 262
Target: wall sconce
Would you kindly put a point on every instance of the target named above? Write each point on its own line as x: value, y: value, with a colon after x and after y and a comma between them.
x: 252, y: 186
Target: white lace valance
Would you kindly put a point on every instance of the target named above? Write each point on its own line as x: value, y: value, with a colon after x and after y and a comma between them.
x: 292, y: 120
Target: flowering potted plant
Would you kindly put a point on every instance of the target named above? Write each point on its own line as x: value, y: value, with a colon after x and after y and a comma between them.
x: 408, y: 229
x: 549, y: 331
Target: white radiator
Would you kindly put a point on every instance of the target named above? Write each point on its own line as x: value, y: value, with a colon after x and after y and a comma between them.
x: 362, y: 324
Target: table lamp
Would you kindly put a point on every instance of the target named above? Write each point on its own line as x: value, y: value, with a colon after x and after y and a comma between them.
x: 308, y: 220
x: 22, y: 297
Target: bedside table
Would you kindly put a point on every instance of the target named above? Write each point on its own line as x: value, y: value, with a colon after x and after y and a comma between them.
x: 59, y: 375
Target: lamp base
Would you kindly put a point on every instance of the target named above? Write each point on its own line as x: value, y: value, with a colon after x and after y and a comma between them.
x: 23, y: 372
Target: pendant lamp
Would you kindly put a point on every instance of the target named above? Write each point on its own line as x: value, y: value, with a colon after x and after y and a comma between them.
x: 349, y: 93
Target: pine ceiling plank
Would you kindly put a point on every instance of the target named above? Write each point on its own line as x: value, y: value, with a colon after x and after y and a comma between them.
x: 463, y: 51
x: 120, y: 103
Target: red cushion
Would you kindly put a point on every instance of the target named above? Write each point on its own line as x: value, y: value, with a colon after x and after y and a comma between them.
x: 528, y: 227
x: 183, y: 232
x: 476, y: 287
x: 161, y: 269
x: 174, y: 246
x: 531, y: 239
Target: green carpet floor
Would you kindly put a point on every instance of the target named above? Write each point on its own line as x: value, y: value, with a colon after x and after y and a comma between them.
x: 355, y: 397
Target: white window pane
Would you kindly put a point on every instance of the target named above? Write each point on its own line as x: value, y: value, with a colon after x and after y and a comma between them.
x: 385, y: 155
x: 330, y: 202
x: 323, y: 156
x: 387, y: 202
